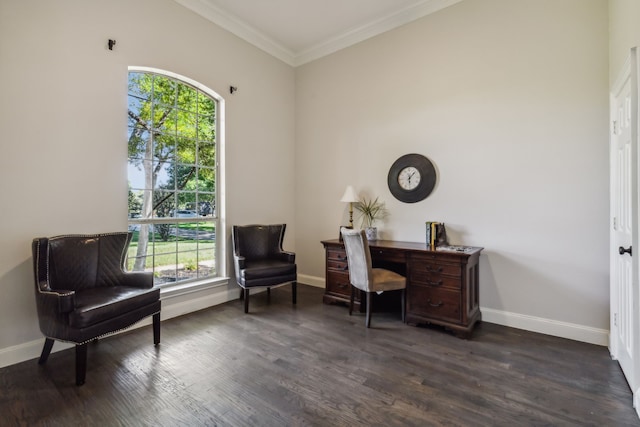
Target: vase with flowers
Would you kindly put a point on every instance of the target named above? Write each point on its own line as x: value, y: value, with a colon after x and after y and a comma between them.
x: 371, y: 210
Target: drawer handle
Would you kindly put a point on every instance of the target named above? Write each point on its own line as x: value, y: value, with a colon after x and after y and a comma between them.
x: 342, y: 285
x: 438, y: 283
x: 345, y: 268
x: 436, y: 270
x: 434, y: 305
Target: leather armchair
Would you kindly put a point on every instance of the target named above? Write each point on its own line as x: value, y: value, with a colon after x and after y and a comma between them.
x: 83, y: 292
x: 259, y: 260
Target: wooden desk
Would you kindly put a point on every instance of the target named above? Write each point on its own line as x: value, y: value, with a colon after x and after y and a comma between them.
x: 442, y: 286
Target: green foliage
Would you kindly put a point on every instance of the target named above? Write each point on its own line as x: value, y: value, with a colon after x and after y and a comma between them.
x: 135, y: 202
x: 370, y: 211
x: 164, y: 230
x: 171, y: 129
x: 172, y: 140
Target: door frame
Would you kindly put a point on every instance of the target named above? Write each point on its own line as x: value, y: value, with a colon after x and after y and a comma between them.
x: 629, y: 71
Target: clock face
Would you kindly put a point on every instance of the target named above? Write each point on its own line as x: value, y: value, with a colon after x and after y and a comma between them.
x: 409, y: 178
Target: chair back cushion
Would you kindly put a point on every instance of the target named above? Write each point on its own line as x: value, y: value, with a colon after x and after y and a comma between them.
x: 79, y: 262
x: 358, y: 258
x: 258, y: 242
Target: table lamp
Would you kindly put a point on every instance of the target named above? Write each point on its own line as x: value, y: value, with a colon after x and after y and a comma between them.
x: 351, y: 198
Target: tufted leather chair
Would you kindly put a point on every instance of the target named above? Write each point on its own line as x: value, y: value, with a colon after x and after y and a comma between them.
x: 363, y: 276
x: 260, y: 261
x: 83, y: 293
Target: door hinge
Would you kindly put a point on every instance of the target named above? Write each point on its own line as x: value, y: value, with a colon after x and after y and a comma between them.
x: 615, y: 319
x: 615, y: 225
x: 614, y: 125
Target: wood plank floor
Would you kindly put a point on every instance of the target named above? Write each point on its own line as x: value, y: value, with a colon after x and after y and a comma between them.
x: 314, y: 365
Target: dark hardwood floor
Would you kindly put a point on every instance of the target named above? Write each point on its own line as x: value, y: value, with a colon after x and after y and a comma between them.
x: 314, y: 365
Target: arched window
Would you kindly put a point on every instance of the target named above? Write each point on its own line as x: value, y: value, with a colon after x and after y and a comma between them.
x: 173, y: 172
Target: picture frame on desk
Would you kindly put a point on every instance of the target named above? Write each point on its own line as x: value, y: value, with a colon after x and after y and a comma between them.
x: 340, y: 232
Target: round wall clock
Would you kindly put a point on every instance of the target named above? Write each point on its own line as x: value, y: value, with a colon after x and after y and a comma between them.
x: 411, y: 178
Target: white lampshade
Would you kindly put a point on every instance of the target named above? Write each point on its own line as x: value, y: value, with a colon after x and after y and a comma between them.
x: 349, y: 195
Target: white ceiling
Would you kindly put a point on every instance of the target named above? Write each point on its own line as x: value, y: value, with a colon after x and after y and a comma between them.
x: 299, y: 31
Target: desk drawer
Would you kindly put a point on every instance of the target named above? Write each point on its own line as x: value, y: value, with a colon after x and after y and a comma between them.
x: 431, y: 268
x: 436, y: 280
x: 435, y: 303
x: 336, y: 254
x: 338, y: 283
x: 337, y: 265
x: 391, y: 255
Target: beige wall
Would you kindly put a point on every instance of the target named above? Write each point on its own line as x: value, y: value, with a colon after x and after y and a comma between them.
x: 510, y: 101
x: 63, y: 121
x: 624, y: 33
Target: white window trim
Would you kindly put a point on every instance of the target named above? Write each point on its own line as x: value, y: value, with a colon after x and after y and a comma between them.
x: 221, y: 278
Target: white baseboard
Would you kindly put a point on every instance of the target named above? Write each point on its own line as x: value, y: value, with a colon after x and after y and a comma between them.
x: 521, y: 321
x: 170, y: 311
x: 26, y: 351
x: 317, y: 282
x: 30, y: 350
x: 547, y: 326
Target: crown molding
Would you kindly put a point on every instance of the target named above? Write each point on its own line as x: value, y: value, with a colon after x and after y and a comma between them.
x: 239, y: 28
x: 362, y: 33
x: 334, y: 44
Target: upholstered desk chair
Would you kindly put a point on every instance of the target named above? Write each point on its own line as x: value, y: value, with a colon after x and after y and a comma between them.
x: 260, y: 261
x: 361, y: 274
x: 83, y: 292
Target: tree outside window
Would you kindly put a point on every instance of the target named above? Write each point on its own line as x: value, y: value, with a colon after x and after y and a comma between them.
x: 172, y: 178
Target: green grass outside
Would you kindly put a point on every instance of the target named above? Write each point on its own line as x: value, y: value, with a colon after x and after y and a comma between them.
x: 164, y: 253
x: 204, y: 226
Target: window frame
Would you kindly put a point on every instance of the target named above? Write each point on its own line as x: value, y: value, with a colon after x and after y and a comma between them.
x: 220, y: 254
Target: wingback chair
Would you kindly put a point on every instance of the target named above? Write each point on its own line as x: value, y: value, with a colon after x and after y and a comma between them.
x: 361, y: 274
x: 260, y: 261
x: 83, y: 292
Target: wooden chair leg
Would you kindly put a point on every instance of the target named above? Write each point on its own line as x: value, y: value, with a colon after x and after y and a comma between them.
x: 294, y: 292
x: 268, y: 295
x: 46, y: 350
x: 246, y: 300
x: 351, y: 298
x: 81, y: 363
x: 368, y: 319
x: 403, y: 300
x: 241, y: 293
x: 156, y: 329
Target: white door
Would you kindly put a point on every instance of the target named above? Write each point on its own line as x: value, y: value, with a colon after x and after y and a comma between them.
x: 625, y: 303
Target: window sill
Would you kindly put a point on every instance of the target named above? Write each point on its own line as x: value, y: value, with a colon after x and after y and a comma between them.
x: 170, y: 291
